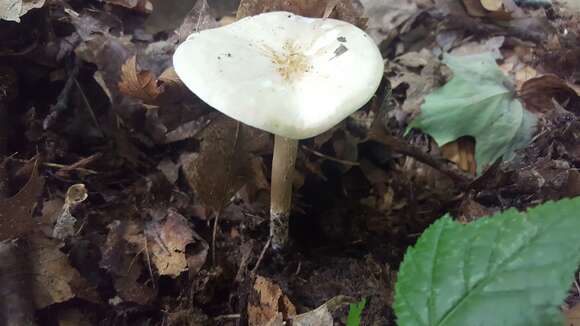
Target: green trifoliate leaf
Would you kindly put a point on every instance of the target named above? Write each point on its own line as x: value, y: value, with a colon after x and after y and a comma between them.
x: 510, y: 269
x: 479, y: 102
x: 355, y: 311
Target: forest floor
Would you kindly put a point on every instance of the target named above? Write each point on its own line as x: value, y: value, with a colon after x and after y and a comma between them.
x: 113, y: 173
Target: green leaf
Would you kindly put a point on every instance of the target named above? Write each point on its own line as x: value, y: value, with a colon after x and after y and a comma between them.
x: 510, y: 269
x: 477, y: 102
x: 355, y: 312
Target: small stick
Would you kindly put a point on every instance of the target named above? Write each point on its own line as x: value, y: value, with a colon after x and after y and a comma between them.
x: 462, y: 179
x: 259, y: 261
x: 330, y: 158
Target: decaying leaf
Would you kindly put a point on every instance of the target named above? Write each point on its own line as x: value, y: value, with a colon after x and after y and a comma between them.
x: 197, y: 19
x: 54, y: 279
x: 419, y: 73
x: 12, y: 10
x: 386, y: 15
x: 16, y: 212
x: 121, y: 258
x: 167, y: 240
x: 266, y: 303
x: 224, y: 162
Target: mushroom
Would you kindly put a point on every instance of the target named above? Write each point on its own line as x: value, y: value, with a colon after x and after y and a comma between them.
x: 289, y: 75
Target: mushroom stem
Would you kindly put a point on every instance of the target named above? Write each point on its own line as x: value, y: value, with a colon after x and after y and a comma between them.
x: 285, y: 150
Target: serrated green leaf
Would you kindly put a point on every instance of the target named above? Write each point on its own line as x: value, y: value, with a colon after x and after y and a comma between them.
x: 510, y: 269
x: 355, y: 312
x: 477, y: 102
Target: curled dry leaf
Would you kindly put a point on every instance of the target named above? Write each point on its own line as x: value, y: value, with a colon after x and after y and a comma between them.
x: 537, y: 93
x: 139, y: 84
x: 266, y: 302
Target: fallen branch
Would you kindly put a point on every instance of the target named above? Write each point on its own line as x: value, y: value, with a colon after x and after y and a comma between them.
x: 462, y: 179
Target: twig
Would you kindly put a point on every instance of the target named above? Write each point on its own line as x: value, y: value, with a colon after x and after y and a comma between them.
x: 89, y: 107
x: 62, y: 101
x: 148, y: 260
x: 259, y: 261
x: 230, y: 316
x: 78, y: 164
x: 330, y: 158
x: 463, y: 180
x: 56, y: 165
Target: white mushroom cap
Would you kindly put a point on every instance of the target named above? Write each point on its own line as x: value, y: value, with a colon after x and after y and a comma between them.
x: 289, y: 75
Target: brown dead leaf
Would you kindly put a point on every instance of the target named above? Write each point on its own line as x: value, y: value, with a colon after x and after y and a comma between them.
x: 16, y: 212
x: 224, y: 162
x: 418, y: 73
x: 197, y: 19
x: 54, y: 280
x: 537, y: 93
x: 138, y: 84
x: 266, y: 302
x: 386, y: 16
x: 167, y: 240
x: 338, y: 9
